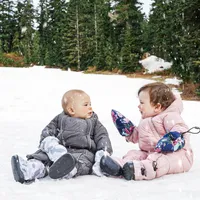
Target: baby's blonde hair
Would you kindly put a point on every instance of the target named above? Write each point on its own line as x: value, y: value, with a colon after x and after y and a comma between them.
x: 159, y: 93
x: 68, y: 97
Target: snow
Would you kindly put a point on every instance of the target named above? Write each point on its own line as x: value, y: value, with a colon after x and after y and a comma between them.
x: 146, y: 6
x: 31, y: 97
x: 153, y: 64
x: 173, y: 81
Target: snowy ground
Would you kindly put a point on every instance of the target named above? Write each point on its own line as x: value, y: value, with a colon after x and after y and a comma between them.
x: 30, y: 98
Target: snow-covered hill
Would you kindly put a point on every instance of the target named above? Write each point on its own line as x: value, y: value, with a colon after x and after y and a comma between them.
x: 31, y: 97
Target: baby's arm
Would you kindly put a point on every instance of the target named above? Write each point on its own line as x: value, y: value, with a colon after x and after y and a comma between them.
x: 103, y: 146
x: 51, y: 129
x: 174, y: 122
x: 173, y: 140
x: 133, y: 137
x: 101, y: 138
x: 125, y: 126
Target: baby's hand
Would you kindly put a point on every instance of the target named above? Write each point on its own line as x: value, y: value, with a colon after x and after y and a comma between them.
x: 123, y: 124
x: 170, y: 142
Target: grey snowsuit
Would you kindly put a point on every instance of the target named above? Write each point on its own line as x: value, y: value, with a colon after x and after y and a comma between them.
x: 81, y: 137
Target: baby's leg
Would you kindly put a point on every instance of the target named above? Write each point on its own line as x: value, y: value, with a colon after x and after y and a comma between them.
x: 64, y: 167
x: 132, y: 155
x: 173, y: 163
x: 139, y: 170
x: 27, y: 170
x: 63, y: 163
x: 148, y: 169
x: 84, y: 161
x: 113, y: 165
x: 50, y: 145
x: 158, y: 164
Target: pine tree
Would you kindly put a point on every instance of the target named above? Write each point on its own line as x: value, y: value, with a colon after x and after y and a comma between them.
x: 174, y: 29
x: 128, y: 33
x: 104, y: 50
x: 42, y: 20
x: 71, y: 36
x: 7, y: 25
x: 25, y: 15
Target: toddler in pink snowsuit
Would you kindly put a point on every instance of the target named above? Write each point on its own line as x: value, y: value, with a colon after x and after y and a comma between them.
x: 161, y: 113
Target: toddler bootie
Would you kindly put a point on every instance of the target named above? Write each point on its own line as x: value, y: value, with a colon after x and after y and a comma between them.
x: 110, y: 166
x: 63, y: 166
x: 27, y: 170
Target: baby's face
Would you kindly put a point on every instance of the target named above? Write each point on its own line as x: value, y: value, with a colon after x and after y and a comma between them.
x: 82, y: 106
x: 145, y: 106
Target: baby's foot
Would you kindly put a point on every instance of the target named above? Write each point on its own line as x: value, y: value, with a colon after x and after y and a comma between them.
x: 63, y: 166
x: 17, y: 172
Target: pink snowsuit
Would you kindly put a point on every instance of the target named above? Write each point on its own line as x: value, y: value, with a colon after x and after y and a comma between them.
x: 147, y: 134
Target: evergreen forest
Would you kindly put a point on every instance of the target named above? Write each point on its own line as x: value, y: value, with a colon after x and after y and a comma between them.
x: 107, y: 34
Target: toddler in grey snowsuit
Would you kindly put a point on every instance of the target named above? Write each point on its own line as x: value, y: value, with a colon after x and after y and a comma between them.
x: 71, y: 144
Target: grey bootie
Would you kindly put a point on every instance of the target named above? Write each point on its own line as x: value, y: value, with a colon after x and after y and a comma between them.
x: 62, y: 167
x: 110, y: 167
x: 129, y: 171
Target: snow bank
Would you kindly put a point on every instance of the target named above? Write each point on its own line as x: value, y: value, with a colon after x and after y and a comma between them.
x: 153, y: 64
